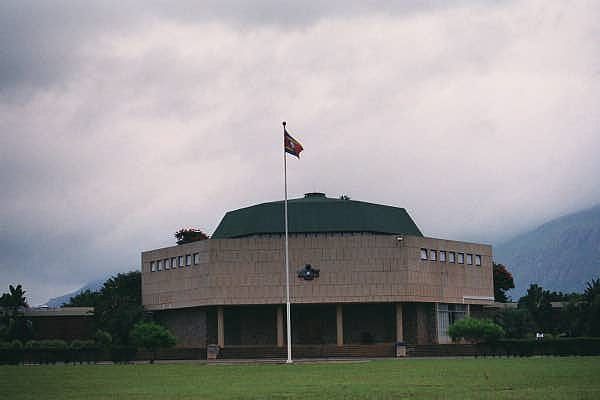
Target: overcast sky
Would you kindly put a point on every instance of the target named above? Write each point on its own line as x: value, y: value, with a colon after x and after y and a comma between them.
x: 122, y: 122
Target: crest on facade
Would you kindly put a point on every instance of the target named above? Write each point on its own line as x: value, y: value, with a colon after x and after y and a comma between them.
x: 308, y: 273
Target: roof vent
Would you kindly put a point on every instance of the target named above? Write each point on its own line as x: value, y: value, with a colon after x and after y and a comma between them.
x: 314, y: 195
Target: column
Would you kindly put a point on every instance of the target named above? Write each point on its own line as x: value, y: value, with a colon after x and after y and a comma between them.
x: 400, y: 345
x: 280, y: 333
x: 220, y: 327
x: 399, y: 325
x: 339, y: 319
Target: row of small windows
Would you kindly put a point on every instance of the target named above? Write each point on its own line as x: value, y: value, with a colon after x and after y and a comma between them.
x: 450, y: 256
x: 174, y: 262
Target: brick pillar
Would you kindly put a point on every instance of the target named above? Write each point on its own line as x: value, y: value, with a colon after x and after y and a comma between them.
x: 339, y: 319
x: 220, y: 327
x: 280, y: 333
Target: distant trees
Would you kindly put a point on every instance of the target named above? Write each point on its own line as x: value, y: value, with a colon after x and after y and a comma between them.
x: 557, y: 313
x: 503, y: 281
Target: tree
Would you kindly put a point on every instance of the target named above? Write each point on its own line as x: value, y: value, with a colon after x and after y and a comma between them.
x: 591, y: 307
x: 516, y: 323
x: 475, y: 330
x: 119, y: 306
x: 152, y: 337
x: 13, y: 324
x: 15, y: 297
x: 503, y: 281
x: 537, y: 302
x: 87, y: 298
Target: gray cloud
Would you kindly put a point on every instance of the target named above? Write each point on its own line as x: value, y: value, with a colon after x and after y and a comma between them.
x: 479, y: 118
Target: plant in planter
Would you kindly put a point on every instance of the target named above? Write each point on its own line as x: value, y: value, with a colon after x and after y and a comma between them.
x: 189, y: 235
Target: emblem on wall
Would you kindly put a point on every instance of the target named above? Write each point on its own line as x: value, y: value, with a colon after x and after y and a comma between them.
x: 308, y: 273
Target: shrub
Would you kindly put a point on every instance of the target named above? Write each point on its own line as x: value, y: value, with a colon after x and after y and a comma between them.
x: 103, y: 338
x: 152, y: 337
x: 475, y: 330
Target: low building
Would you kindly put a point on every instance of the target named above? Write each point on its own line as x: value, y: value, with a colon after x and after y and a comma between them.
x: 360, y: 274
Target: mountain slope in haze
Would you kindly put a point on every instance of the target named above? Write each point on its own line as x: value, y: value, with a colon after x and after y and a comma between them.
x: 560, y: 255
x: 93, y: 286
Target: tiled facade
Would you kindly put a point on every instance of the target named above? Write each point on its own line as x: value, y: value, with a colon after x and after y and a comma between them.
x: 354, y: 268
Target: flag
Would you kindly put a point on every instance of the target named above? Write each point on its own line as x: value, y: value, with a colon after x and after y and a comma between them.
x: 291, y: 145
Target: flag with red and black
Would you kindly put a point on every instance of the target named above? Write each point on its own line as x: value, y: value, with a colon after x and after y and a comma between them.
x: 290, y: 144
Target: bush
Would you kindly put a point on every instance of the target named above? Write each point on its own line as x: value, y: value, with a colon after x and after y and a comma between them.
x: 103, y: 338
x: 47, y: 351
x: 475, y: 330
x: 151, y: 336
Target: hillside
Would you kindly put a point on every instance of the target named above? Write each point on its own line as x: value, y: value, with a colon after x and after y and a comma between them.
x: 561, y: 255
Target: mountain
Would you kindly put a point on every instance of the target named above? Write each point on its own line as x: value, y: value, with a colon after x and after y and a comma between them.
x: 560, y: 255
x: 94, y: 286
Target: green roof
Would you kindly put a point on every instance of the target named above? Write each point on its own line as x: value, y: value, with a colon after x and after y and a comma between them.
x: 315, y: 213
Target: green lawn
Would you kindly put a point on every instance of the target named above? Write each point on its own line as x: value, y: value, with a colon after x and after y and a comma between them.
x: 528, y: 378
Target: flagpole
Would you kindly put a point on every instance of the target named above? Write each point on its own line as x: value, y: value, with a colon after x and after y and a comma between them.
x: 287, y: 263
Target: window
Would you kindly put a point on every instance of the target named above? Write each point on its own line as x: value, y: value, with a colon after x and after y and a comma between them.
x: 159, y: 265
x: 196, y: 258
x: 461, y: 258
x: 423, y: 254
x: 451, y: 257
x: 167, y: 263
x: 477, y: 259
x: 470, y: 259
x: 180, y: 258
x: 432, y: 255
x: 152, y: 266
x: 173, y: 262
x: 188, y: 260
x: 442, y: 256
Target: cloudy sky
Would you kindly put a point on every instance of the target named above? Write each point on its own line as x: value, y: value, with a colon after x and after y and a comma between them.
x: 122, y: 122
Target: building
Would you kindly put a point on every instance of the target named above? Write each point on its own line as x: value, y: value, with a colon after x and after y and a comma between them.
x: 362, y: 274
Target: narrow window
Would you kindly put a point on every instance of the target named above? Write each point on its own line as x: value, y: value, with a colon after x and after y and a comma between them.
x: 470, y: 259
x: 432, y: 255
x: 423, y: 254
x: 180, y: 261
x: 477, y: 259
x: 451, y: 257
x: 196, y: 258
x: 188, y: 260
x: 173, y: 262
x: 152, y: 266
x: 442, y: 256
x: 167, y: 263
x: 461, y: 258
x: 159, y: 265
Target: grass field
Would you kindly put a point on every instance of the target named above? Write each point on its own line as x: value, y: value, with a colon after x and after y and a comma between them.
x: 528, y: 378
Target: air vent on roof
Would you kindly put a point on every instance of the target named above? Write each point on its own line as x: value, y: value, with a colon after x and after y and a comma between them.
x: 314, y: 194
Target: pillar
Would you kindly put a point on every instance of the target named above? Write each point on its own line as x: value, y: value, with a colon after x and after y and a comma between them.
x: 399, y: 325
x: 400, y: 345
x: 220, y: 327
x: 339, y: 319
x: 280, y: 326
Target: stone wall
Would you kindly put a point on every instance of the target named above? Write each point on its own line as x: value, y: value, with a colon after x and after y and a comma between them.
x: 189, y: 325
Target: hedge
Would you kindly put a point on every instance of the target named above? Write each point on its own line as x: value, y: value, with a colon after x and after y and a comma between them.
x: 53, y: 351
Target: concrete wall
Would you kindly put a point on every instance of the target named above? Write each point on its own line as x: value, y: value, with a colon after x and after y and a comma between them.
x: 355, y: 268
